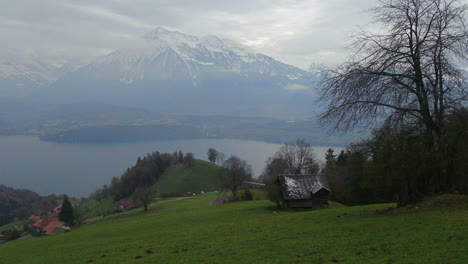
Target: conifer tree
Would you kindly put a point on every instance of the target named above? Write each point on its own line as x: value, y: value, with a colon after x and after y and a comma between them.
x: 66, y: 213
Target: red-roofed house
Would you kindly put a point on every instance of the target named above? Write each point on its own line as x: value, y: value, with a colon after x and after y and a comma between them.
x: 58, y: 209
x: 124, y: 205
x: 41, y: 223
x: 34, y: 218
x: 54, y: 228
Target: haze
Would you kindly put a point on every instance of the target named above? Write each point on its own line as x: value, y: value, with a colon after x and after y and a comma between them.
x: 300, y: 33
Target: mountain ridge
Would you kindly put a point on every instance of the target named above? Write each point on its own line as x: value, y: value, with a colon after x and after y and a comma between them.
x: 187, y: 74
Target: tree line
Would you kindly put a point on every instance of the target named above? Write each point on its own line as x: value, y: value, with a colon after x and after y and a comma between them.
x: 407, y: 83
x: 392, y: 163
x: 21, y: 203
x: 142, y: 175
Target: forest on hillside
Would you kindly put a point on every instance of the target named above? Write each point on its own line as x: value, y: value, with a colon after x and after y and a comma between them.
x: 18, y: 204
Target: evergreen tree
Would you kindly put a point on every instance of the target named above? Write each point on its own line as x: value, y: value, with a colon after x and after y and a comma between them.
x: 66, y: 213
x: 342, y: 159
x: 181, y: 157
x: 330, y: 154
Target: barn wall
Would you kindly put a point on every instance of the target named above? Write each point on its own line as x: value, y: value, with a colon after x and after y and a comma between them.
x: 300, y: 203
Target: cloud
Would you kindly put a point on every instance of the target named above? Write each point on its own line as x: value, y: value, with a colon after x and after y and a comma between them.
x: 103, y: 13
x: 256, y: 43
x: 297, y: 87
x: 298, y: 32
x: 327, y: 53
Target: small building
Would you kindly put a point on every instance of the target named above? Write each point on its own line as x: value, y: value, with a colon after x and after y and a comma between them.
x: 304, y: 191
x: 124, y: 205
x: 55, y: 228
x: 58, y: 209
x: 51, y: 226
x: 34, y: 218
x: 41, y: 223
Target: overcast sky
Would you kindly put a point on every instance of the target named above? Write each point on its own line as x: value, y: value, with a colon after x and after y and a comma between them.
x: 294, y: 31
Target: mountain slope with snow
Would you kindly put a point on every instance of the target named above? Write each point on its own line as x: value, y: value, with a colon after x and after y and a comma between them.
x: 173, y: 71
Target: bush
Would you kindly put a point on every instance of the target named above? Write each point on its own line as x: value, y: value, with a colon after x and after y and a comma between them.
x: 274, y: 193
x: 13, y: 234
x: 247, y: 196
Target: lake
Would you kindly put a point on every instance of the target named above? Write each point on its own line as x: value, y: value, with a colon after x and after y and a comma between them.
x: 79, y: 169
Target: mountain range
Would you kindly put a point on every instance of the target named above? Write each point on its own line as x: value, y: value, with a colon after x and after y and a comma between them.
x: 174, y: 72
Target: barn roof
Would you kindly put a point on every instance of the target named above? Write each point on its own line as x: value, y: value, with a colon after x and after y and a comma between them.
x: 34, y: 218
x: 53, y: 227
x: 300, y: 187
x: 41, y: 223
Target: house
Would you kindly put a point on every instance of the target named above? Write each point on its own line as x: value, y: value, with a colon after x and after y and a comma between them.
x: 34, y: 218
x: 43, y: 222
x: 304, y: 191
x: 123, y: 206
x: 51, y: 226
x: 58, y: 209
x: 54, y: 228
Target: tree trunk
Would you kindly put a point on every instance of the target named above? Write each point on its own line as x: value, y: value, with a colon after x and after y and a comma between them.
x: 234, y: 194
x: 409, y: 193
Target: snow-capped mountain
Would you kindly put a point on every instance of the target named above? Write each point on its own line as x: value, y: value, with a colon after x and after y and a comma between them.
x: 174, y: 71
x: 25, y: 74
x: 167, y: 52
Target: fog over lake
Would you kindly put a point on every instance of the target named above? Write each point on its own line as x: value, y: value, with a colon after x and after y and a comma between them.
x: 79, y: 169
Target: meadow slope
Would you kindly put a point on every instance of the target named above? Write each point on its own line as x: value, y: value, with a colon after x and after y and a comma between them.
x: 180, y: 179
x: 188, y: 231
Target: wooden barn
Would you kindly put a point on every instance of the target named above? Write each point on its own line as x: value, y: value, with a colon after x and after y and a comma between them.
x: 304, y: 191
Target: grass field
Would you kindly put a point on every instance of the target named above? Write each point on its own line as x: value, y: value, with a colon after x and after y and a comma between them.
x: 188, y: 231
x: 92, y: 207
x: 179, y: 180
x: 9, y: 226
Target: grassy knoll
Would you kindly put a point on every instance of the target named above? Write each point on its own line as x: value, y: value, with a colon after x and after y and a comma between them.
x: 9, y: 226
x: 188, y: 231
x: 180, y: 179
x: 92, y: 207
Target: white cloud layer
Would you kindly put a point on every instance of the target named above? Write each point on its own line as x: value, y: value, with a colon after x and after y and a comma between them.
x: 298, y: 32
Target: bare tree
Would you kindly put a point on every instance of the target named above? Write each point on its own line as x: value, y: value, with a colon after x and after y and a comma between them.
x: 143, y: 196
x: 404, y: 72
x: 298, y: 158
x: 295, y: 158
x: 234, y: 172
x: 189, y: 160
x: 220, y: 158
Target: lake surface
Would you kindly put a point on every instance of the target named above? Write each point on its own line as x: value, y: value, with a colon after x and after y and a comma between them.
x: 79, y: 169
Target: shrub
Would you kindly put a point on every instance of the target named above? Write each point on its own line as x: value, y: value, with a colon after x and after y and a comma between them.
x: 247, y: 196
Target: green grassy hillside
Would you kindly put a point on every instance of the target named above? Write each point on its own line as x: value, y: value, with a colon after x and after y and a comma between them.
x: 16, y: 224
x: 188, y: 231
x: 179, y: 179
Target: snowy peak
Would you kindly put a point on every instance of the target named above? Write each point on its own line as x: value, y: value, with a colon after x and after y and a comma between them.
x: 161, y: 33
x: 161, y: 37
x: 193, y: 56
x: 27, y: 68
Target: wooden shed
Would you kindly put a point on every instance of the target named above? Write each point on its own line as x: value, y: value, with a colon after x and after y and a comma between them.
x: 304, y: 191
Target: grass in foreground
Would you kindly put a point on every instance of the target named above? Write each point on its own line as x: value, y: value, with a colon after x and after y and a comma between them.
x: 188, y: 231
